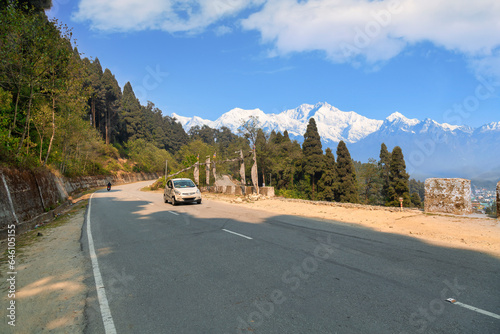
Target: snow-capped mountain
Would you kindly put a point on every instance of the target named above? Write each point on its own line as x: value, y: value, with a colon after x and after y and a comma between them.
x: 333, y: 124
x: 431, y: 149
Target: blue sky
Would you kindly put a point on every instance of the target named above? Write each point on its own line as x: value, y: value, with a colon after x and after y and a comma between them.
x: 425, y: 59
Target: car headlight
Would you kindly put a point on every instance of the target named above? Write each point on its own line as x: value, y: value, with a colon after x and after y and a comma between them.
x: 177, y: 192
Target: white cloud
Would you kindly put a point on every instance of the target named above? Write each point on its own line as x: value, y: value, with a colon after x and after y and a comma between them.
x: 347, y: 31
x: 374, y: 31
x: 190, y: 16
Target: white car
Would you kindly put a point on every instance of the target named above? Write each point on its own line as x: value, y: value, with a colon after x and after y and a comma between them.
x: 181, y: 191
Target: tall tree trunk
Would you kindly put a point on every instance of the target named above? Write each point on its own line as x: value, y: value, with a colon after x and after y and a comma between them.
x: 53, y: 129
x: 92, y: 106
x: 107, y: 126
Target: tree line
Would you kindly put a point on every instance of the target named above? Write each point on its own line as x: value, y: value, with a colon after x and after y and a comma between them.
x: 63, y: 111
x: 309, y: 173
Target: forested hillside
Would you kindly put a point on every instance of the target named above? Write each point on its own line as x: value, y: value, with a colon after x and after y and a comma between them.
x: 67, y: 112
x: 63, y: 111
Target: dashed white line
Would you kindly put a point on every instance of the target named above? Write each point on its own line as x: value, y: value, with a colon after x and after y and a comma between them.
x: 478, y: 310
x: 174, y: 213
x: 240, y: 235
x: 109, y: 325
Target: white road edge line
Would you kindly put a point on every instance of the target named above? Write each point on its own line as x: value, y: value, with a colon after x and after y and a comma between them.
x: 174, y: 213
x: 241, y: 235
x: 478, y: 310
x: 109, y: 325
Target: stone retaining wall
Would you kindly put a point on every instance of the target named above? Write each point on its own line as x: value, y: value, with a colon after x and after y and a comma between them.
x: 26, y: 197
x: 448, y: 196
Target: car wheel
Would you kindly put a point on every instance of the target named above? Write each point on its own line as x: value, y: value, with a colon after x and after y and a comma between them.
x: 165, y: 199
x: 198, y: 201
x: 174, y: 202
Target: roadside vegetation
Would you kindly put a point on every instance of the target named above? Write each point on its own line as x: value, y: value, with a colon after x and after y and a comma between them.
x: 63, y: 111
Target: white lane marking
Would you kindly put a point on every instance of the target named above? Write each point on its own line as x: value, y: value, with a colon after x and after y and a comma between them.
x: 109, y: 325
x: 174, y: 213
x: 241, y: 235
x: 478, y: 310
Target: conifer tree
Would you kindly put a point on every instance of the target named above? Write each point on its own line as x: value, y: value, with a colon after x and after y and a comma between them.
x: 328, y: 181
x: 370, y: 183
x: 286, y: 138
x: 398, y: 179
x: 313, y: 153
x: 417, y: 187
x: 131, y: 115
x: 112, y: 97
x: 97, y: 99
x: 346, y: 175
x: 384, y: 166
x: 415, y: 200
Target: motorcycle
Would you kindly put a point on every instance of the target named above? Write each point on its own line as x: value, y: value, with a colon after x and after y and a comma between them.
x: 109, y: 187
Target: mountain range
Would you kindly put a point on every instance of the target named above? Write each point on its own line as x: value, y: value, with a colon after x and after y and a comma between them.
x: 431, y: 149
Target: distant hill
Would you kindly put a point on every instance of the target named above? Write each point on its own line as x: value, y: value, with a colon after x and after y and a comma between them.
x: 431, y: 149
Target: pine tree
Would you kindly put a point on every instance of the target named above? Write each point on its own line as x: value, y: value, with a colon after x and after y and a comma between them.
x: 313, y: 153
x: 415, y: 200
x: 328, y: 181
x: 370, y: 185
x: 131, y: 115
x: 398, y: 180
x: 346, y: 175
x: 384, y: 166
x: 97, y: 99
x: 286, y: 138
x: 417, y: 187
x: 112, y: 97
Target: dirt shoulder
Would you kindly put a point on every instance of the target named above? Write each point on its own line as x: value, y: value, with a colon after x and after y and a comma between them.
x: 472, y: 233
x: 49, y: 277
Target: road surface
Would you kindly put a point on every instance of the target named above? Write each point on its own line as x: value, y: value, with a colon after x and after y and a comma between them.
x: 223, y: 268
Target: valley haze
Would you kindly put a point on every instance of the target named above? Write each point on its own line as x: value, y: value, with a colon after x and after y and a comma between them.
x: 431, y: 149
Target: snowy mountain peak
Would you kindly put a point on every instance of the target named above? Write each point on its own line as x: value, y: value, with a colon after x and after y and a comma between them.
x: 397, y: 117
x: 494, y: 126
x: 181, y: 119
x: 300, y: 113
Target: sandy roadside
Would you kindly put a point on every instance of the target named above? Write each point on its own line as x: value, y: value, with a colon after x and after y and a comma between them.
x: 50, y: 289
x: 478, y: 234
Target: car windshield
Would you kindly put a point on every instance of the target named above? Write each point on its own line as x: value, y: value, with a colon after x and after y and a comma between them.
x: 184, y: 184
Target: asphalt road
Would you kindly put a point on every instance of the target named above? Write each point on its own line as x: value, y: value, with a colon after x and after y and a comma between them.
x: 183, y: 269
